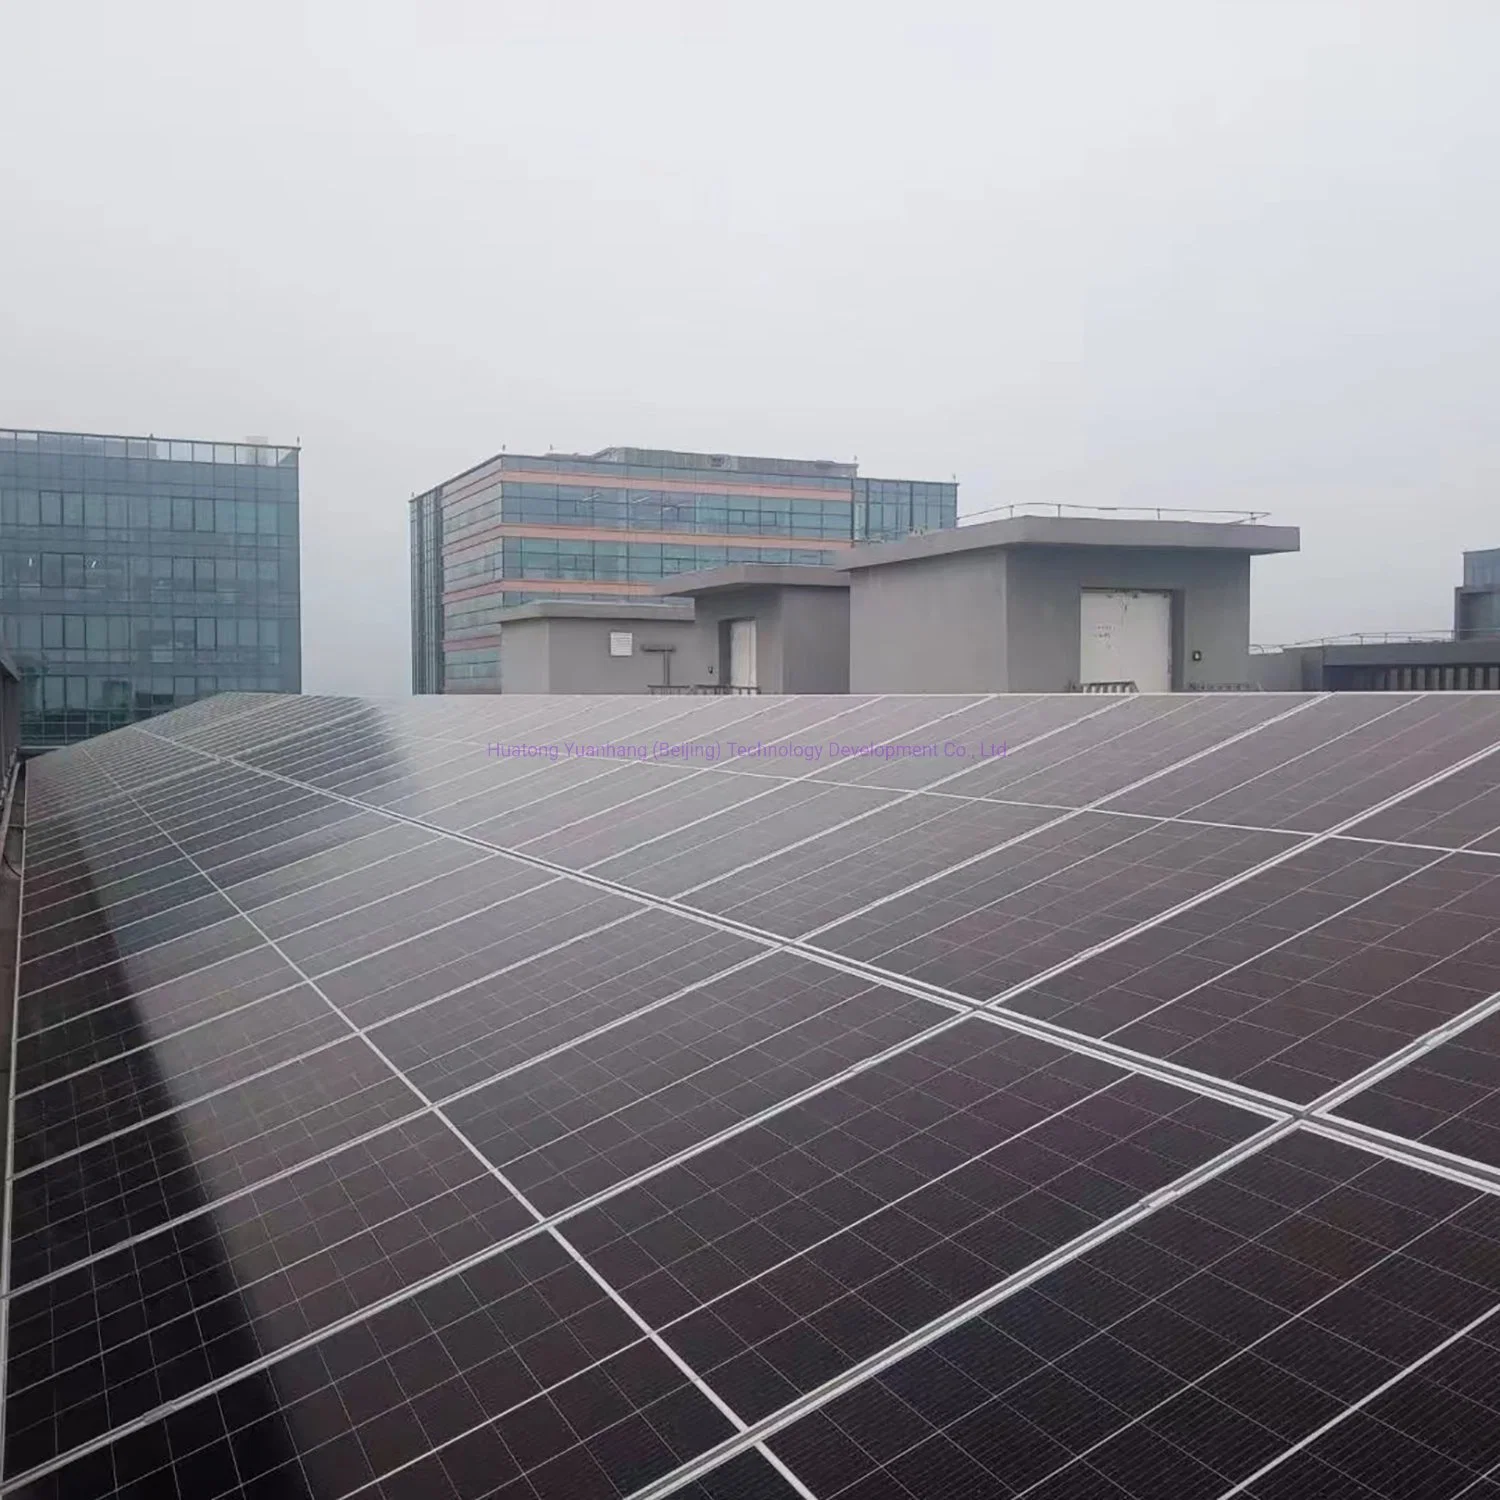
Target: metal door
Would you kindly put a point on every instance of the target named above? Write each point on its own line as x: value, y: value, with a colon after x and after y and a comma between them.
x: 1126, y: 636
x: 742, y: 654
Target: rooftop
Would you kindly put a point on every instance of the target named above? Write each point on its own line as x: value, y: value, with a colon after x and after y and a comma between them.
x: 1077, y: 531
x: 592, y: 609
x: 754, y: 576
x: 673, y: 458
x: 255, y: 451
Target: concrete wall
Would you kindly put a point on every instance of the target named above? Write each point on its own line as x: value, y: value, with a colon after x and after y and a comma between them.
x: 1286, y: 671
x: 1210, y: 610
x: 761, y: 605
x: 1411, y: 653
x: 933, y: 625
x: 572, y: 656
x: 1008, y: 620
x: 801, y: 637
x: 1319, y: 669
x: 814, y: 641
x: 523, y: 657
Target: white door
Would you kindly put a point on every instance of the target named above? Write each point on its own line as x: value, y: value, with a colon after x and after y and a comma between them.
x: 742, y: 654
x: 1126, y: 636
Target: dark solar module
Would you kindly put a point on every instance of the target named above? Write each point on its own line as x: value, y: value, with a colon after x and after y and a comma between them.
x: 1197, y: 1349
x: 1447, y: 1097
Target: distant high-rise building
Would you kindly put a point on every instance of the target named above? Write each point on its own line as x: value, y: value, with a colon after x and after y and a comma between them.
x: 139, y: 573
x: 611, y: 525
x: 1476, y: 602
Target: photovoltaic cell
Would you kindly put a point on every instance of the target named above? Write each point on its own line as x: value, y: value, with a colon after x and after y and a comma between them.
x: 536, y: 1005
x: 1281, y: 776
x: 169, y: 1073
x: 747, y: 1476
x: 776, y: 1260
x: 801, y: 889
x: 61, y: 1035
x: 1449, y: 1097
x: 519, y: 1373
x: 1301, y: 977
x: 877, y: 722
x: 78, y: 1205
x: 1012, y: 915
x: 102, y: 1344
x: 1180, y: 1356
x: 350, y: 878
x: 979, y: 734
x: 1432, y: 1433
x: 86, y: 988
x: 1108, y: 753
x: 723, y: 843
x: 606, y: 1109
x: 423, y: 967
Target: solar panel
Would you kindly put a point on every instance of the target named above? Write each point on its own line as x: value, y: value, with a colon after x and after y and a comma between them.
x: 745, y: 1099
x: 1191, y: 1353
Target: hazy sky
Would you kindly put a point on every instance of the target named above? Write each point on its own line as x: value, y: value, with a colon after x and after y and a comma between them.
x: 1184, y: 253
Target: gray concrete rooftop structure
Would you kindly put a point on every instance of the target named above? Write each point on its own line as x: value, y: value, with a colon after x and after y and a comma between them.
x: 752, y: 576
x: 1014, y: 605
x: 567, y: 646
x: 1079, y: 531
x: 594, y: 609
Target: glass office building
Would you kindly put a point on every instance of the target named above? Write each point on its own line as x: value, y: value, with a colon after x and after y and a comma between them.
x: 1476, y: 603
x: 612, y: 525
x: 137, y: 574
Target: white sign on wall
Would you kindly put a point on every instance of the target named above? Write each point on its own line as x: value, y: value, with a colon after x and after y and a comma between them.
x: 621, y: 643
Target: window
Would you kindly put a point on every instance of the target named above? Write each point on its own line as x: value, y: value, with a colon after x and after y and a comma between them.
x: 51, y: 508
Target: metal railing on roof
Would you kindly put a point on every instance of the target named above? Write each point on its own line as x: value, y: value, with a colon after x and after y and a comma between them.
x: 1382, y: 638
x: 699, y: 689
x: 1135, y: 512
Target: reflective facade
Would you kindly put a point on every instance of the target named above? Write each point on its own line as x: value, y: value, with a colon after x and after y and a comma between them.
x: 137, y: 574
x: 1476, y: 605
x: 611, y: 525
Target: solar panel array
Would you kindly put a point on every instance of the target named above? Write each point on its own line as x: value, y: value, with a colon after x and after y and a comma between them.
x: 745, y: 1099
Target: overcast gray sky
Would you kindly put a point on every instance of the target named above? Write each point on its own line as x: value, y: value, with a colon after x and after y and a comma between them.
x: 1187, y: 253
